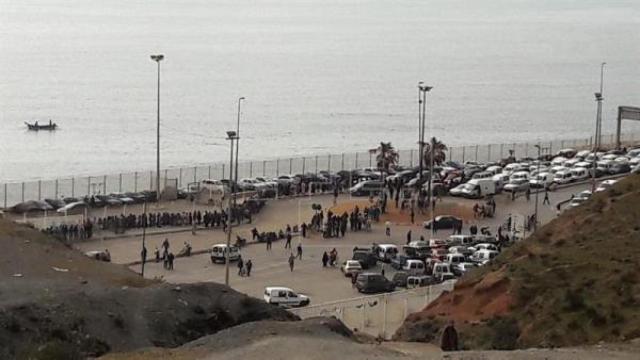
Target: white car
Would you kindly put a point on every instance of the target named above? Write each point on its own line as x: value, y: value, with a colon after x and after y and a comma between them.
x: 351, y: 267
x: 607, y: 184
x: 484, y: 256
x: 219, y: 253
x: 284, y: 297
x: 580, y: 198
x: 74, y: 207
x: 541, y: 180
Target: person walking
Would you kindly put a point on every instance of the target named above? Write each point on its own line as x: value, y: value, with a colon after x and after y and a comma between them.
x: 335, y: 195
x: 408, y: 237
x: 299, y: 251
x: 513, y: 195
x: 143, y: 254
x: 249, y: 265
x: 288, y: 243
x: 528, y: 194
x: 157, y: 253
x: 387, y: 226
x: 546, y: 198
x: 171, y: 258
x: 413, y: 216
x: 269, y: 242
x: 325, y: 259
x: 240, y: 266
x: 292, y: 260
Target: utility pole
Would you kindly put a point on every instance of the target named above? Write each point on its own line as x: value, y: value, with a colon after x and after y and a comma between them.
x: 231, y: 136
x: 157, y: 59
x: 598, y: 136
x: 144, y: 235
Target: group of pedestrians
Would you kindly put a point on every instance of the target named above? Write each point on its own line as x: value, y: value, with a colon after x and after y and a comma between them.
x: 120, y: 223
x: 244, y: 268
x: 71, y: 232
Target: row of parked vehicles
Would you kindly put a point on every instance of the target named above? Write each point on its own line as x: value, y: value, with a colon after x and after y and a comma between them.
x: 420, y: 263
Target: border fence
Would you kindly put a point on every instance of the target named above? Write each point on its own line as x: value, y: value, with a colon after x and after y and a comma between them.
x: 12, y: 193
x: 377, y: 315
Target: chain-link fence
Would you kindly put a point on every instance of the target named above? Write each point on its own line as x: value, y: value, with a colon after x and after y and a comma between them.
x: 377, y: 315
x: 79, y: 186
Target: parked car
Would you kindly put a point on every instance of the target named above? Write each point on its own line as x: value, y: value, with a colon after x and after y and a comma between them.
x: 483, y: 256
x: 285, y: 297
x: 73, y: 208
x: 365, y: 257
x: 55, y: 203
x: 619, y: 168
x: 373, y: 283
x: 563, y: 177
x: 442, y: 272
x: 519, y: 185
x: 605, y: 185
x: 461, y: 268
x: 579, y: 174
x: 385, y: 252
x: 541, y: 180
x: 414, y: 267
x: 419, y: 281
x: 219, y: 253
x: 367, y: 188
x: 444, y: 222
x: 100, y: 255
x: 351, y: 267
x: 400, y: 279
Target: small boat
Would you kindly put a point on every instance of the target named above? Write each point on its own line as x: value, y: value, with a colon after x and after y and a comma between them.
x: 35, y: 126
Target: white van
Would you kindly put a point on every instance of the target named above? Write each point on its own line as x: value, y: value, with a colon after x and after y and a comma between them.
x: 454, y: 259
x: 484, y: 256
x: 442, y: 271
x: 414, y: 267
x: 579, y: 174
x: 465, y: 240
x: 219, y: 253
x: 541, y: 180
x: 284, y: 297
x: 563, y: 177
x: 386, y: 252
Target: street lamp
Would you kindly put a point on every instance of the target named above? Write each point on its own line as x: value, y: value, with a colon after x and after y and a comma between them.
x: 598, y: 137
x: 231, y: 136
x: 535, y: 223
x: 157, y: 59
x: 422, y: 112
x: 238, y: 139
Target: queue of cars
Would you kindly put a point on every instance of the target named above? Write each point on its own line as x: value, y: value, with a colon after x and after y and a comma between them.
x: 419, y: 263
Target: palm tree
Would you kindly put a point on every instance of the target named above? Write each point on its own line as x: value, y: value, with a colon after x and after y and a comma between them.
x: 439, y: 154
x: 387, y: 156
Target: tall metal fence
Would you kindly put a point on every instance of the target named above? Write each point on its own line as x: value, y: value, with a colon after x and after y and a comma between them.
x: 377, y: 315
x: 78, y: 186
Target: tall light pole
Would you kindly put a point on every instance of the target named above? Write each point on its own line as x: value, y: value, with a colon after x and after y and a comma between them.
x: 535, y: 224
x: 157, y: 59
x: 238, y: 138
x: 231, y: 136
x: 422, y: 106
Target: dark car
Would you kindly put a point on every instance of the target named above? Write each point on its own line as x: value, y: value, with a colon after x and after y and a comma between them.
x: 444, y: 222
x: 374, y: 283
x: 55, y: 203
x: 399, y: 261
x: 365, y: 257
x: 400, y: 279
x: 619, y: 168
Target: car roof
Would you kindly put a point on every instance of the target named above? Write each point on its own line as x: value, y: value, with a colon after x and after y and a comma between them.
x: 271, y: 288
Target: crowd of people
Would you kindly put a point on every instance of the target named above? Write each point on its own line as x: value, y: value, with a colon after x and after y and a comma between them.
x: 71, y: 232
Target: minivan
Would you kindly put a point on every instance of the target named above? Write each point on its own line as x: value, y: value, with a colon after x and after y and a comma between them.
x: 373, y: 283
x: 579, y: 174
x: 367, y: 188
x: 219, y: 253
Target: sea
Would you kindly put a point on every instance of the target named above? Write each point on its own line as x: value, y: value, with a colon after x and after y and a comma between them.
x: 318, y: 77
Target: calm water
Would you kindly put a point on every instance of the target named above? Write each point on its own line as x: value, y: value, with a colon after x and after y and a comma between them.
x: 319, y: 76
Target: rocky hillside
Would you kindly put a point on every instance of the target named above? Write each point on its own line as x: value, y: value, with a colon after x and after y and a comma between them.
x: 575, y: 281
x: 55, y: 303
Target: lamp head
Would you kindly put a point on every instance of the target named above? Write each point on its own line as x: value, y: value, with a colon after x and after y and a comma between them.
x: 231, y: 135
x: 241, y: 98
x: 598, y: 96
x: 157, y: 58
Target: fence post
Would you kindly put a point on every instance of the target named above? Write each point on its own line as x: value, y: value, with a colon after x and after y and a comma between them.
x: 476, y: 158
x: 514, y: 151
x: 526, y: 150
x: 120, y: 183
x: 342, y: 162
x: 329, y: 163
x: 39, y: 190
x: 278, y: 167
x: 250, y: 168
x: 304, y: 163
x: 384, y: 317
x: 23, y: 191
x: 180, y: 178
x: 290, y: 165
x: 135, y: 181
x: 195, y: 174
x: 488, y: 152
x: 463, y: 152
x: 209, y: 173
x: 151, y: 181
x: 264, y: 170
x: 355, y: 167
x: 104, y: 184
x: 411, y: 158
x: 5, y: 196
x: 56, y: 190
x: 223, y: 171
x: 316, y: 164
x: 73, y: 187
